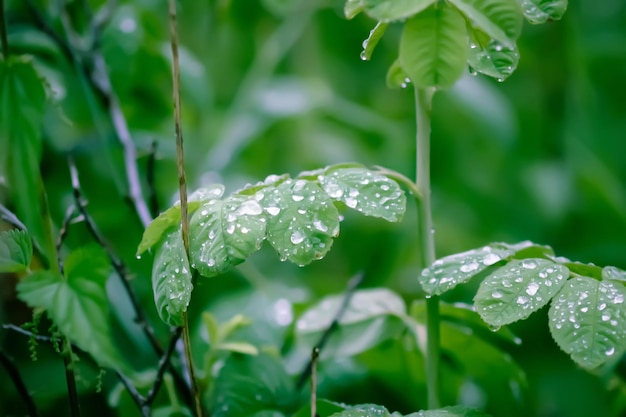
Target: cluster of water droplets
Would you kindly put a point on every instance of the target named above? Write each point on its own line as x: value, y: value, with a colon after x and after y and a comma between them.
x: 518, y: 289
x: 587, y: 320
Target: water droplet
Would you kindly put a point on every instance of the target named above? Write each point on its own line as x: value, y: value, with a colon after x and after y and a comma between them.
x: 496, y: 294
x: 469, y: 267
x: 244, y: 230
x: 297, y: 237
x: 619, y: 299
x: 610, y: 351
x: 230, y: 229
x: 490, y: 259
x: 363, y: 55
x: 529, y: 264
x: 297, y: 197
x: 212, y: 234
x: 250, y: 207
x: 273, y: 211
x: 351, y: 202
x: 532, y: 288
x: 319, y: 225
x: 211, y: 262
x: 601, y: 306
x: 606, y: 317
x: 521, y: 300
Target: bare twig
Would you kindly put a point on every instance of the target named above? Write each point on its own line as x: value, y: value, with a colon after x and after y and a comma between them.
x: 182, y: 188
x: 63, y: 233
x: 15, y: 376
x: 144, y: 408
x: 163, y: 363
x: 70, y: 378
x: 352, y: 286
x: 25, y: 332
x: 314, y: 356
x: 3, y: 32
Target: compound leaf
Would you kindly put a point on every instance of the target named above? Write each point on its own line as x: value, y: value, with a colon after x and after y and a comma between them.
x: 500, y: 19
x: 433, y: 47
x: 171, y: 279
x: 518, y: 289
x: 16, y: 250
x: 587, y: 320
x: 542, y: 11
x: 369, y: 193
x: 223, y: 233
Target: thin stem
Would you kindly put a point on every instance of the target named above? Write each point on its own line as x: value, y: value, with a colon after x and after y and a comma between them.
x: 182, y: 189
x: 3, y: 32
x: 314, y: 356
x: 423, y: 107
x: 15, y: 376
x: 70, y: 378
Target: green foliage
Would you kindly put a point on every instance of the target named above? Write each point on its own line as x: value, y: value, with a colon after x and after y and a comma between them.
x: 77, y: 303
x: 370, y: 410
x: 389, y: 10
x: 542, y: 11
x: 16, y: 250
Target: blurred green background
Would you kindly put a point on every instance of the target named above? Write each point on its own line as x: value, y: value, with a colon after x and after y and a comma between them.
x: 277, y: 86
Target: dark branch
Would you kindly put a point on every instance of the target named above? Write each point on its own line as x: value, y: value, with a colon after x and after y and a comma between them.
x: 63, y: 234
x: 3, y: 32
x: 163, y: 363
x: 19, y: 384
x: 352, y: 286
x: 70, y: 378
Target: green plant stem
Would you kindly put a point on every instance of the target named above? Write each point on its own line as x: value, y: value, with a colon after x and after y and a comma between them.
x: 190, y: 368
x: 70, y: 378
x: 3, y: 32
x: 423, y: 107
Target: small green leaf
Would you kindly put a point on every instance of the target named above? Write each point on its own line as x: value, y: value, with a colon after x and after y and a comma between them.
x: 171, y: 279
x: 542, y: 11
x: 396, y: 77
x: 212, y: 327
x: 500, y: 19
x: 446, y: 273
x: 353, y: 8
x: 587, y: 270
x: 588, y: 320
x: 372, y: 40
x: 611, y: 273
x: 364, y: 410
x: 369, y: 193
x: 389, y: 10
x: 371, y: 317
x: 518, y: 289
x: 171, y: 217
x: 323, y: 407
x: 493, y: 59
x: 301, y: 220
x: 78, y: 305
x: 224, y: 233
x: 433, y: 47
x: 248, y: 384
x: 16, y: 250
x: 238, y: 347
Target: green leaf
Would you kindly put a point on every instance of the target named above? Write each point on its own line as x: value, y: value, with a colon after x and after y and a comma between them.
x: 542, y: 11
x: 369, y: 193
x: 323, y: 407
x: 446, y: 273
x: 301, y: 220
x: 518, y: 289
x: 433, y: 47
x: 611, y: 273
x: 171, y: 217
x: 587, y: 270
x: 171, y: 279
x: 455, y: 411
x: 78, y: 305
x: 492, y: 58
x: 22, y: 105
x: 396, y: 77
x: 388, y: 10
x: 588, y: 320
x: 16, y: 250
x: 224, y: 233
x: 372, y: 40
x: 238, y: 347
x: 500, y: 19
x: 247, y: 385
x: 371, y: 317
x: 364, y: 410
x: 353, y: 8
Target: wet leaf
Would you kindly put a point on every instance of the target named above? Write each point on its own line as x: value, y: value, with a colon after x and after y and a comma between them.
x: 171, y: 217
x: 171, y: 279
x: 372, y: 40
x: 323, y: 407
x: 301, y: 220
x: 542, y: 11
x: 364, y: 410
x: 371, y: 317
x: 500, y: 19
x: 493, y: 59
x: 16, y: 250
x: 433, y: 47
x: 611, y: 273
x: 588, y: 320
x: 396, y: 77
x: 455, y: 411
x: 353, y: 8
x: 366, y: 192
x: 446, y: 273
x: 389, y: 10
x: 518, y: 289
x: 223, y: 233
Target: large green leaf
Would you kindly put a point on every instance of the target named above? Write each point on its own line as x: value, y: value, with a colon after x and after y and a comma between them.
x: 301, y: 220
x: 450, y: 271
x: 171, y: 217
x: 588, y: 320
x: 500, y: 19
x: 366, y: 192
x: 247, y: 385
x: 16, y: 249
x: 78, y: 304
x: 22, y: 105
x: 518, y: 289
x: 389, y: 10
x: 323, y: 407
x: 371, y: 317
x: 433, y: 47
x: 224, y: 233
x: 171, y: 279
x: 541, y: 11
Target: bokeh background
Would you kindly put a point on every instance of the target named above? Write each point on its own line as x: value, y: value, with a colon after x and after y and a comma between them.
x: 277, y: 86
